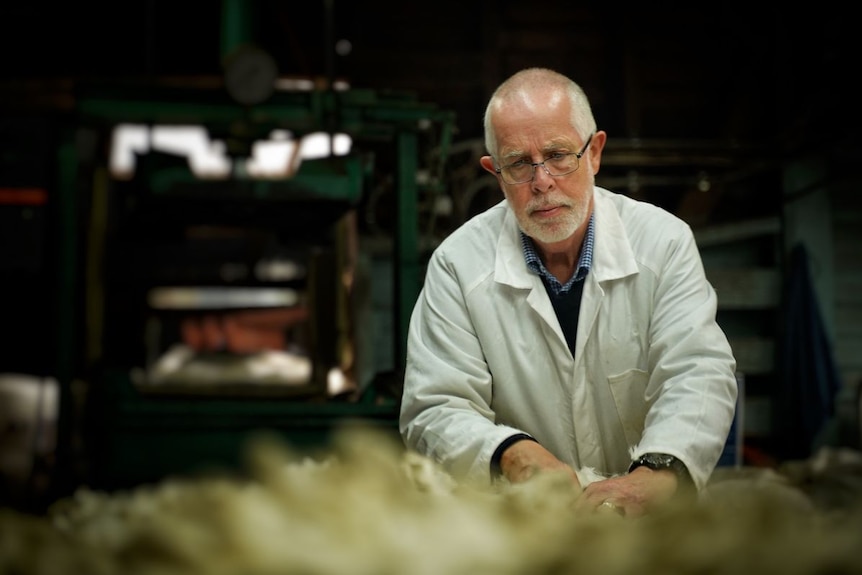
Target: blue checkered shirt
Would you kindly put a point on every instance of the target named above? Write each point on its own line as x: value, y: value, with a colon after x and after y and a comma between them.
x: 585, y: 262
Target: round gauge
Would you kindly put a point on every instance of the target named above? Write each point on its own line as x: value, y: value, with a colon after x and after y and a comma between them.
x: 249, y: 75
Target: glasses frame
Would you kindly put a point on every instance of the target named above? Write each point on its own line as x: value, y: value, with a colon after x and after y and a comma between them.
x: 533, y: 165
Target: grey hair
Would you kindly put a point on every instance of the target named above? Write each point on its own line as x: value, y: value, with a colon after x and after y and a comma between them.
x: 531, y: 79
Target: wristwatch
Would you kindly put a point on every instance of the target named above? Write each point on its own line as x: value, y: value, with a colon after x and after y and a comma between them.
x: 658, y: 461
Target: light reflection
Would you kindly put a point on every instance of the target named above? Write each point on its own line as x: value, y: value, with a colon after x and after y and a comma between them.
x: 278, y: 157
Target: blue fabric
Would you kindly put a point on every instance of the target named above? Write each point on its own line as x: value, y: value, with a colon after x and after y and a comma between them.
x: 585, y: 262
x: 809, y: 377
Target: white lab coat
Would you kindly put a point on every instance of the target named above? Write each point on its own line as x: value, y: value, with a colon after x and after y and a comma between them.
x: 486, y: 358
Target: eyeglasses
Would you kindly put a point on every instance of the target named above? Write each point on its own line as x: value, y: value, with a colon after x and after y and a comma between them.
x: 557, y: 164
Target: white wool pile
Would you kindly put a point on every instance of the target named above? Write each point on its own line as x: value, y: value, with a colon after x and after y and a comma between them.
x: 367, y: 507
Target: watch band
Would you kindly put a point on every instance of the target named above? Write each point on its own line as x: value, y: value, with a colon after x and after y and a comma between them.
x: 659, y: 461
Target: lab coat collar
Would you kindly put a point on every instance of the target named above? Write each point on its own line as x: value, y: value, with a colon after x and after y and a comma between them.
x: 613, y: 257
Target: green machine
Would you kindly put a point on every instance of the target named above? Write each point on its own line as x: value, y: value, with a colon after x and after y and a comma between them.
x: 176, y: 216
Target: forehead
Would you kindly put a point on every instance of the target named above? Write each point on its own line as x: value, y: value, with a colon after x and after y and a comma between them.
x: 531, y: 122
x: 529, y: 138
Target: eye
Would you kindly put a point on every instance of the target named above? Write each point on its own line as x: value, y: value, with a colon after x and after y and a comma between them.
x: 518, y: 164
x: 556, y: 156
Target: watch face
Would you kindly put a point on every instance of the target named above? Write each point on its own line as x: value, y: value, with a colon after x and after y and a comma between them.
x: 657, y: 461
x: 660, y: 460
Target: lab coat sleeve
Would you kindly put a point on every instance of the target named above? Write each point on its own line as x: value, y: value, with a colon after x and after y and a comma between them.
x: 692, y: 385
x: 445, y: 408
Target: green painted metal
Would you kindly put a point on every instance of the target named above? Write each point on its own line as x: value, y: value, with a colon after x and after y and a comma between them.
x: 145, y: 438
x: 141, y: 437
x: 359, y: 112
x: 340, y: 179
x: 236, y: 24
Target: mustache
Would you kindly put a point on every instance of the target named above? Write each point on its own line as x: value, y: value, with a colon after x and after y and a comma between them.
x: 546, y: 202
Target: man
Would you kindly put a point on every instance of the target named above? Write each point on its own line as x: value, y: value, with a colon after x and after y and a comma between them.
x: 567, y: 327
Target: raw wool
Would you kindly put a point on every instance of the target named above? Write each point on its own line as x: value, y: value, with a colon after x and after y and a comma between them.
x: 587, y: 475
x: 737, y: 488
x: 28, y: 428
x: 831, y: 478
x: 30, y: 545
x: 367, y: 507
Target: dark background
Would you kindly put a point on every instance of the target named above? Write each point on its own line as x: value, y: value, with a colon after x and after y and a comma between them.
x: 710, y: 70
x: 683, y: 90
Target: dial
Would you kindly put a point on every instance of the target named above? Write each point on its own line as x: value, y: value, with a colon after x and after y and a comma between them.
x: 250, y: 75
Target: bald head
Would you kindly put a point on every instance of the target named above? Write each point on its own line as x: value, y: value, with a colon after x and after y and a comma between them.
x: 534, y: 87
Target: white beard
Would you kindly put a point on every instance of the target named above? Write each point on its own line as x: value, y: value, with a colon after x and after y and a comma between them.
x: 557, y: 229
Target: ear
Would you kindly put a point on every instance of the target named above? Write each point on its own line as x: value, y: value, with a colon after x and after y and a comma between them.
x: 597, y: 144
x: 488, y: 163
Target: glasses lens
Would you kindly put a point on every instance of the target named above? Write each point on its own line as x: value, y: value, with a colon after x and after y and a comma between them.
x: 562, y: 164
x: 517, y: 173
x: 521, y: 172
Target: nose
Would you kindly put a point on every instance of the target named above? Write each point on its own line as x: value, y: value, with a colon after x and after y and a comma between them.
x: 541, y: 165
x: 542, y: 180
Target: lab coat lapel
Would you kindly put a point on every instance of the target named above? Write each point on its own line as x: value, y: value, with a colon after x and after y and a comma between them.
x: 510, y: 269
x: 613, y: 259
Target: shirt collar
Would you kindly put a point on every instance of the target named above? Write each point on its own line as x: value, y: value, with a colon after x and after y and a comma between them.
x: 585, y: 262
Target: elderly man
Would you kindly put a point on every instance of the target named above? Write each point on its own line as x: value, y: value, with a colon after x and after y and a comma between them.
x: 567, y: 327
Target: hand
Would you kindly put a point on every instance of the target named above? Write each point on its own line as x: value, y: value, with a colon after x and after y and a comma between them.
x: 525, y: 458
x: 632, y: 495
